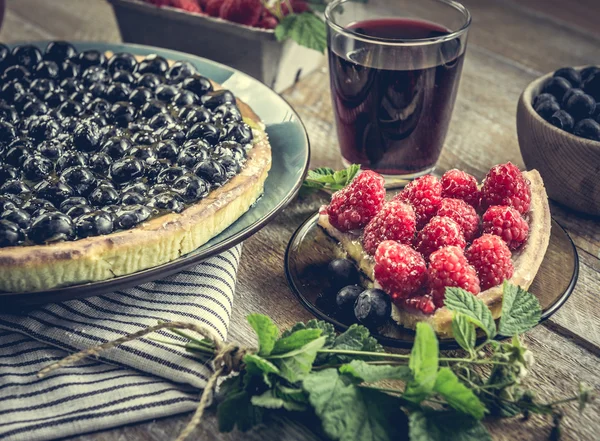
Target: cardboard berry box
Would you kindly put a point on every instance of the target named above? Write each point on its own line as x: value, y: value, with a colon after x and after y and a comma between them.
x: 254, y: 51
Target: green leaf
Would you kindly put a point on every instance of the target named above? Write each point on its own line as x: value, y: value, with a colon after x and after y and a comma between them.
x: 325, y: 178
x: 355, y: 338
x: 459, y: 300
x: 423, y: 363
x: 256, y: 365
x: 463, y: 331
x: 295, y: 340
x: 306, y: 29
x: 296, y: 364
x: 445, y: 426
x: 296, y: 394
x: 317, y: 5
x: 237, y: 410
x: 459, y: 396
x: 266, y: 331
x: 327, y: 330
x: 352, y: 413
x: 521, y: 311
x: 270, y: 401
x: 367, y: 373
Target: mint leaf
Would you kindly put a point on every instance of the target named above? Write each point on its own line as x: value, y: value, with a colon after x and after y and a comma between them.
x: 237, y: 410
x: 355, y: 338
x: 266, y: 331
x: 521, y: 311
x: 352, y: 413
x: 295, y: 394
x: 256, y: 365
x: 459, y: 300
x: 327, y: 330
x: 459, y: 396
x: 367, y: 373
x: 344, y: 177
x: 296, y: 364
x: 306, y: 29
x: 463, y: 331
x: 445, y: 426
x: 423, y: 363
x: 322, y: 175
x: 325, y: 178
x: 270, y: 401
x: 295, y: 340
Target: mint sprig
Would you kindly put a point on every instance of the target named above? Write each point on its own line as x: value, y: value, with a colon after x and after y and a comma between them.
x: 327, y: 179
x: 306, y: 29
x: 358, y: 391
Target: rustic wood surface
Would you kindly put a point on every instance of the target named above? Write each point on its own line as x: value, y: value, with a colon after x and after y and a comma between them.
x: 511, y: 43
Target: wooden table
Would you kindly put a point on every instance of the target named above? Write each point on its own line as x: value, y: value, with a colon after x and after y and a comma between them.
x: 511, y: 42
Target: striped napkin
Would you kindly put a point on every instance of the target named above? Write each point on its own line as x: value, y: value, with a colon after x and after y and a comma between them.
x: 137, y: 381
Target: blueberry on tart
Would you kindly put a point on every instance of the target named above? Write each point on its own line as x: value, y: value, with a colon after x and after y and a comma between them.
x: 115, y: 163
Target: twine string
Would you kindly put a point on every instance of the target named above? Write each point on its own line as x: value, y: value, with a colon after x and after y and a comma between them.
x: 228, y: 358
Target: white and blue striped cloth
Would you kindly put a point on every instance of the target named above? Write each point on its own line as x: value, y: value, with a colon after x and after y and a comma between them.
x: 136, y: 381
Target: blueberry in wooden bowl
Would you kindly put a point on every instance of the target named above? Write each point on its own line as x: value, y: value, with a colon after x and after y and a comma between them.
x: 558, y: 125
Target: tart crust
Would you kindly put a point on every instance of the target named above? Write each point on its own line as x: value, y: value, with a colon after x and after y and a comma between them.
x: 526, y: 261
x: 152, y: 243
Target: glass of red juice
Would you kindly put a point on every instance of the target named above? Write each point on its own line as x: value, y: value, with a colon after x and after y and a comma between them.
x: 394, y: 69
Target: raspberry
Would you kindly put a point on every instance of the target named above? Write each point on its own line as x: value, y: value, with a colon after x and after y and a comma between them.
x: 354, y: 206
x: 460, y: 185
x: 490, y: 257
x: 439, y: 232
x: 186, y: 5
x: 246, y: 12
x: 425, y: 195
x: 267, y: 23
x: 505, y: 185
x: 399, y: 269
x: 298, y: 7
x: 395, y: 221
x: 424, y: 304
x: 212, y: 7
x: 448, y: 266
x: 463, y: 214
x: 507, y: 223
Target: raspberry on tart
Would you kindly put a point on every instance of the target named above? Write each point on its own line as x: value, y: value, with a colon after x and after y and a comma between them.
x: 517, y: 216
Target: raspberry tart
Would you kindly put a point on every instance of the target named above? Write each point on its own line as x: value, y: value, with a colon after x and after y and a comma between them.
x: 114, y: 163
x: 439, y: 233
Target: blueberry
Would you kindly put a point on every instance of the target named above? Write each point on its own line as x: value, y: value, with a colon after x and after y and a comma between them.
x: 167, y: 149
x: 373, y: 308
x: 122, y: 61
x: 99, y: 106
x: 140, y: 96
x: 46, y: 69
x: 562, y: 120
x: 129, y: 216
x: 173, y: 133
x: 239, y: 132
x: 5, y: 57
x: 153, y: 107
x: 165, y: 92
x: 104, y: 195
x: 9, y: 202
x: 44, y: 128
x: 143, y: 138
x: 41, y: 86
x: 7, y: 133
x: 568, y: 94
x: 80, y: 178
x: 27, y: 56
x: 94, y: 224
x: 148, y: 80
x: 55, y: 98
x: 71, y: 85
x: 346, y: 298
x: 230, y: 113
x: 72, y: 202
x: 96, y: 90
x: 580, y: 106
x: 90, y: 58
x: 591, y: 85
x: 70, y: 108
x: 58, y: 51
x: 86, y: 136
x: 144, y: 153
x: 95, y: 74
x: 51, y: 227
x: 167, y: 201
x: 556, y: 86
x: 191, y: 154
x: 23, y: 99
x: 54, y: 191
x: 194, y: 114
x: 212, y: 100
x: 17, y: 154
x: 179, y: 71
x: 211, y: 171
x: 18, y: 216
x: 153, y: 170
x: 126, y: 170
x: 69, y: 70
x: 132, y: 198
x: 586, y: 72
x: 124, y: 77
x: 36, y: 168
x: 342, y: 272
x: 35, y: 108
x: 161, y: 120
x: 71, y: 159
x: 7, y: 173
x: 185, y: 98
x: 135, y: 187
x: 197, y: 84
x: 37, y: 206
x: 191, y: 188
x: 78, y: 210
x: 547, y: 108
x: 153, y: 64
x: 8, y: 113
x: 122, y: 113
x: 117, y: 92
x: 587, y: 128
x: 170, y: 175
x: 205, y: 131
x: 569, y: 74
x: 10, y: 234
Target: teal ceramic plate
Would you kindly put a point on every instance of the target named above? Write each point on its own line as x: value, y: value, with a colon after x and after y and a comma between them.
x: 290, y: 150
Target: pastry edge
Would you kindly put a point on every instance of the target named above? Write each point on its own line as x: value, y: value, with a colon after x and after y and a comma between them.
x: 526, y: 262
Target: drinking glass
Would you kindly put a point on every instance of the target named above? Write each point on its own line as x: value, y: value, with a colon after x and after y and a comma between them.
x: 394, y: 68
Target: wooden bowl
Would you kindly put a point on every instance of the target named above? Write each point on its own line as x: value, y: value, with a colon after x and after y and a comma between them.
x: 569, y: 165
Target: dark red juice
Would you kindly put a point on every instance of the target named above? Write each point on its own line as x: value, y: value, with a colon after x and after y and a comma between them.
x: 393, y: 103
